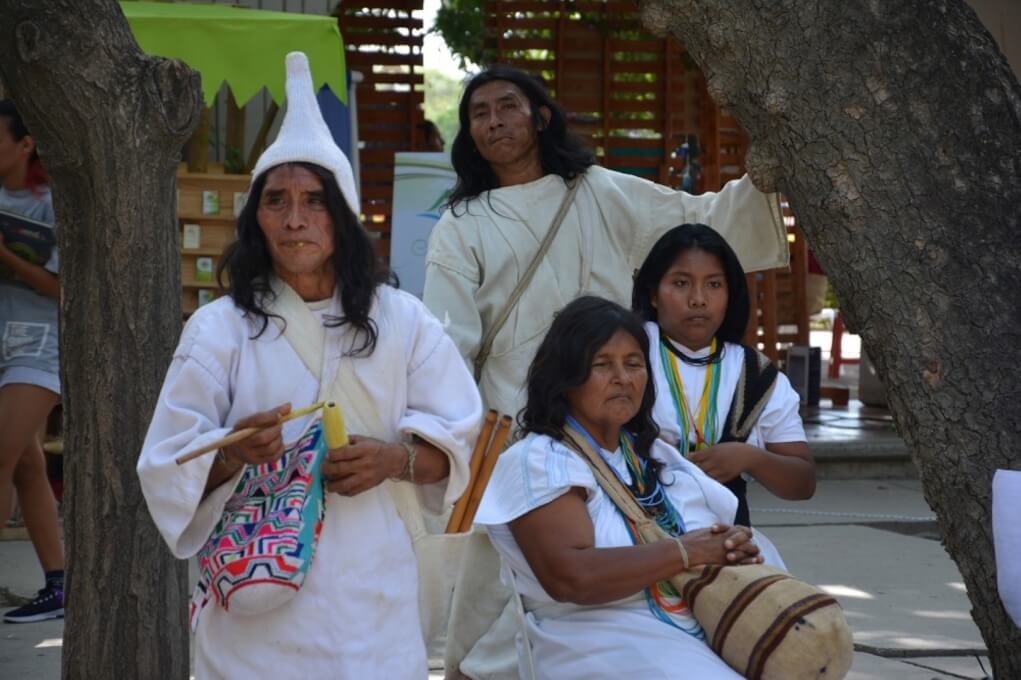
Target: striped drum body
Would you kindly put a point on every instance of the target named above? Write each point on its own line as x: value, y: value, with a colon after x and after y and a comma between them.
x: 768, y: 625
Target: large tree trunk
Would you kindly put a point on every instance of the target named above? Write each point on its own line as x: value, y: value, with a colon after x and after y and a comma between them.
x: 109, y: 123
x: 894, y: 129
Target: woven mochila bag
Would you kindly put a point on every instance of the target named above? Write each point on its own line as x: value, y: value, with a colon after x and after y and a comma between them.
x: 260, y: 551
x: 766, y: 624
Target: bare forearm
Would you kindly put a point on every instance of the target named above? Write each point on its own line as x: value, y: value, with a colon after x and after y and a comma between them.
x: 220, y: 472
x: 557, y: 541
x: 790, y: 477
x: 41, y: 281
x: 601, y: 575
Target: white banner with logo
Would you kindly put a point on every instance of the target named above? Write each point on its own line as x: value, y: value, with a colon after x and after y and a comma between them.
x: 422, y: 183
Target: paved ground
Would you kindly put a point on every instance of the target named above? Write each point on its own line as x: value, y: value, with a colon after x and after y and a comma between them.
x: 874, y: 545
x: 869, y: 542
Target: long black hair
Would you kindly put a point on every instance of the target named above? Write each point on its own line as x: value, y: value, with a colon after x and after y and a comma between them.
x: 561, y: 152
x: 564, y: 361
x: 248, y: 265
x: 666, y: 251
x: 36, y: 176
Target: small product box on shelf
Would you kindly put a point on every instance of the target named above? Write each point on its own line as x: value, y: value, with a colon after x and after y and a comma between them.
x: 240, y: 197
x: 205, y: 296
x: 204, y: 269
x: 192, y: 237
x: 210, y: 202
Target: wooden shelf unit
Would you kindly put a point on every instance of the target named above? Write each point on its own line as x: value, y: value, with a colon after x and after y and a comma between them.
x: 216, y: 229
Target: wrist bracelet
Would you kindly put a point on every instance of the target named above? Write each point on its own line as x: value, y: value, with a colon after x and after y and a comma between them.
x: 407, y: 473
x: 221, y: 457
x: 684, y: 552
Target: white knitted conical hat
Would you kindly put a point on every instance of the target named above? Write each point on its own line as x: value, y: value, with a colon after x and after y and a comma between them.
x: 304, y: 136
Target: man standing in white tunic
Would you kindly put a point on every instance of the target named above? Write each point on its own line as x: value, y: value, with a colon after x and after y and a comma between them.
x: 516, y: 163
x: 308, y: 316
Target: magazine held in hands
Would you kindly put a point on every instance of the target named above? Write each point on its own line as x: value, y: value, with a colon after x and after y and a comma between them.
x: 29, y: 239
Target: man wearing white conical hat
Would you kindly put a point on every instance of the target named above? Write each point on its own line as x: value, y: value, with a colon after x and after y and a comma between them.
x: 308, y: 317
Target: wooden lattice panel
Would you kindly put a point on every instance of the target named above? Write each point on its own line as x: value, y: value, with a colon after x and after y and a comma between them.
x: 724, y: 143
x: 634, y: 96
x: 383, y: 41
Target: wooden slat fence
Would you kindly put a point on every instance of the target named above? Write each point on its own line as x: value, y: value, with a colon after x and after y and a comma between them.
x: 383, y: 41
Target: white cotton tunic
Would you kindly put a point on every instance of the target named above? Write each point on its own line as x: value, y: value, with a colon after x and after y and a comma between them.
x: 477, y: 256
x: 356, y: 615
x: 1007, y: 539
x: 778, y: 423
x: 618, y: 639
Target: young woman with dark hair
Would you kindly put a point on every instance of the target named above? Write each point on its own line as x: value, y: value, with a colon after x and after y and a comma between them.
x: 663, y: 257
x: 309, y: 320
x: 594, y: 604
x: 29, y: 365
x: 722, y: 403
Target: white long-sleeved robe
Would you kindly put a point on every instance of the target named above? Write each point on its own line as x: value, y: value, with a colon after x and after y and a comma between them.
x: 477, y: 256
x: 356, y: 615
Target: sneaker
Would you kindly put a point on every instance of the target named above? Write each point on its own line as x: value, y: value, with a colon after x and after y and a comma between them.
x: 47, y: 604
x: 15, y: 521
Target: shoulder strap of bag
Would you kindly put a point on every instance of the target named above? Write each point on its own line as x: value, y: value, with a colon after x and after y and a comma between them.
x: 612, y: 486
x: 487, y: 340
x: 298, y: 325
x: 305, y: 334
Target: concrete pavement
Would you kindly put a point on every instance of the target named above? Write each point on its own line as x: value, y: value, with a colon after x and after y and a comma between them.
x: 871, y: 543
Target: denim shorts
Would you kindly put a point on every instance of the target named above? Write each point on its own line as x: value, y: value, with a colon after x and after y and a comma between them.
x: 20, y: 375
x: 29, y: 346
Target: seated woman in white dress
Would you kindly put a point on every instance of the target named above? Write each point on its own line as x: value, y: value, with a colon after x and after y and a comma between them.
x: 724, y: 405
x: 308, y: 317
x: 595, y: 603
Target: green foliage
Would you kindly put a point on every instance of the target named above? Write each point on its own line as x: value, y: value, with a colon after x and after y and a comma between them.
x: 233, y: 161
x: 442, y: 94
x: 459, y: 23
x: 831, y: 297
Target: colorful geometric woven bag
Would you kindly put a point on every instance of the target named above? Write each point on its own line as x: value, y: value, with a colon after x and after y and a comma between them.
x: 258, y: 554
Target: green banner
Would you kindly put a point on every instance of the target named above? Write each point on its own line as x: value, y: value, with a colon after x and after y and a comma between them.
x: 244, y: 47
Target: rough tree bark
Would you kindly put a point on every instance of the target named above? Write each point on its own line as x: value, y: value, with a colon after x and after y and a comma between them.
x: 894, y: 129
x: 109, y: 123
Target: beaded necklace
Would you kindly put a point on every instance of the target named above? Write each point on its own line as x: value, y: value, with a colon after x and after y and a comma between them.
x: 662, y: 599
x: 703, y: 423
x: 648, y: 491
